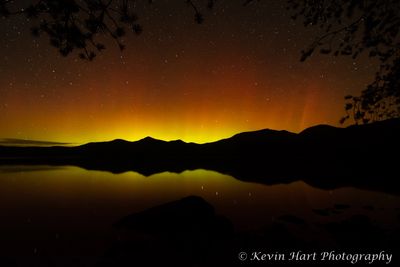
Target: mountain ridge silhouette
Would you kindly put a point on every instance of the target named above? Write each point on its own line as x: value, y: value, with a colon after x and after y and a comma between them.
x: 323, y: 156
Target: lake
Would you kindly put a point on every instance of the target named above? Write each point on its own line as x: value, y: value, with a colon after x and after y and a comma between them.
x: 63, y: 216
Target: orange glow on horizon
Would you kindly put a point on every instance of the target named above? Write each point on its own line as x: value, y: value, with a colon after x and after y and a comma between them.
x: 237, y: 72
x: 99, y: 112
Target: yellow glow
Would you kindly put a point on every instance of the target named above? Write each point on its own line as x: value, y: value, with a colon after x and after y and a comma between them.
x: 189, y: 107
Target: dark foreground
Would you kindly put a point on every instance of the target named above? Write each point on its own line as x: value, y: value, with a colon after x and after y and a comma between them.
x: 187, y: 232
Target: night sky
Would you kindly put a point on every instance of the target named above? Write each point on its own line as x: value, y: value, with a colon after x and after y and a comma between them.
x: 238, y: 71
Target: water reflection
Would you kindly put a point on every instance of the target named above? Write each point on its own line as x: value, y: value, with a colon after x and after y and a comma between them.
x: 65, y: 215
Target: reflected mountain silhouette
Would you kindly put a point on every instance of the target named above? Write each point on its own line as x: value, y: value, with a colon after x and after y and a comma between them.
x: 361, y: 156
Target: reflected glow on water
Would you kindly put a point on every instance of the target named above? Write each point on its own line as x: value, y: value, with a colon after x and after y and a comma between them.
x: 44, y: 189
x: 43, y: 208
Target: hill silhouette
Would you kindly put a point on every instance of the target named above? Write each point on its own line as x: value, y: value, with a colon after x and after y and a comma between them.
x: 362, y: 156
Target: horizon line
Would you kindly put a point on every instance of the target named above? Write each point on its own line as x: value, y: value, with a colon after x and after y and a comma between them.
x: 32, y: 142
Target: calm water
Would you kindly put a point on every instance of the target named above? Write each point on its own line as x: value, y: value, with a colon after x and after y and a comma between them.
x: 65, y: 215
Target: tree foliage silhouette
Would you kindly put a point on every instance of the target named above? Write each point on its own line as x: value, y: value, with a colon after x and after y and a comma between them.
x: 353, y: 27
x: 76, y: 24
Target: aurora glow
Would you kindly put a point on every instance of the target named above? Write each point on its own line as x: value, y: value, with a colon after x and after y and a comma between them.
x: 239, y: 71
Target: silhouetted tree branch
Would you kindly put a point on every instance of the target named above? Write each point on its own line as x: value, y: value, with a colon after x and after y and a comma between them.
x: 352, y: 27
x: 76, y: 24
